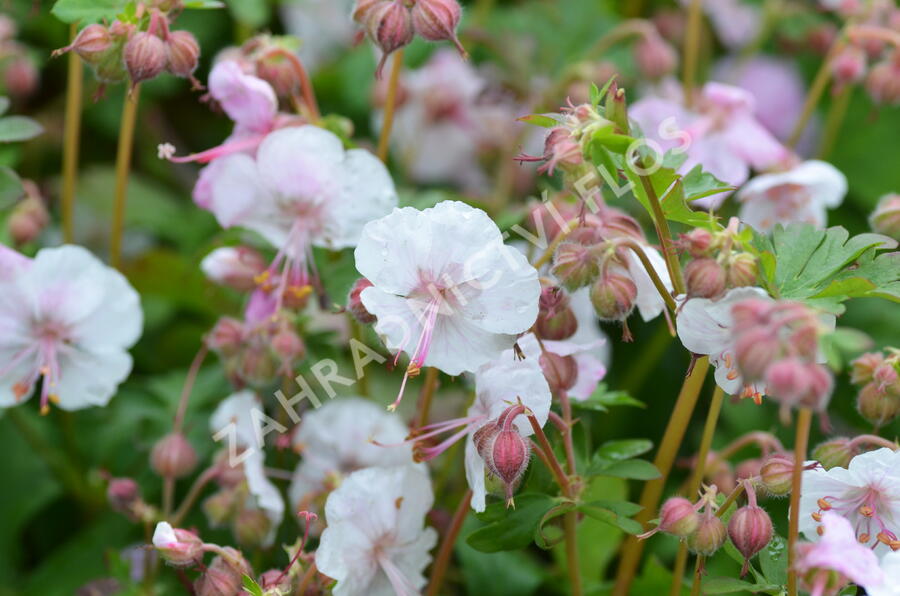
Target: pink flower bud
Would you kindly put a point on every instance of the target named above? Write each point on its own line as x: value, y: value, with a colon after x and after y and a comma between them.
x: 574, y: 265
x: 886, y: 217
x: 363, y: 8
x: 863, y: 368
x: 220, y: 507
x: 21, y: 76
x: 820, y: 384
x: 705, y: 278
x: 877, y: 406
x: 787, y: 380
x: 749, y: 468
x: 177, y: 547
x: 885, y: 375
x: 555, y: 321
x: 835, y: 453
x: 355, y: 305
x: 776, y: 474
x: 28, y: 220
x: 849, y: 65
x: 91, y: 43
x: 256, y: 365
x: 224, y: 576
x: 709, y: 536
x: 750, y: 313
x: 183, y: 53
x: 275, y: 581
x: 173, y: 456
x: 236, y: 267
x: 145, y: 56
x: 226, y: 336
x: 754, y: 351
x: 750, y: 530
x: 696, y: 243
x: 741, y: 271
x: 277, y: 70
x: 655, y: 58
x: 251, y: 527
x: 123, y: 494
x: 821, y: 37
x: 288, y: 346
x: 883, y: 82
x: 613, y: 297
x: 390, y: 26
x: 561, y: 149
x: 437, y: 20
x: 561, y: 372
x: 505, y: 453
x: 678, y: 517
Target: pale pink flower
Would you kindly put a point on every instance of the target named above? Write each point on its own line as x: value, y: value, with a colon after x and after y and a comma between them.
x: 836, y: 550
x: 866, y: 493
x: 721, y: 133
x: 591, y: 369
x: 890, y: 586
x: 801, y: 194
x: 249, y: 101
x: 736, y: 22
x: 446, y: 291
x: 68, y: 318
x: 376, y: 542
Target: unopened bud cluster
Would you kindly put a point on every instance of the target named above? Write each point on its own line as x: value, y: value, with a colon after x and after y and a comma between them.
x: 878, y: 378
x: 255, y: 353
x: 717, y: 264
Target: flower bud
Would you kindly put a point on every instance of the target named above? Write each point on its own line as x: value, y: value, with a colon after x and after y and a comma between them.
x: 21, y: 76
x: 747, y: 469
x: 505, y: 453
x: 226, y: 336
x: 276, y: 581
x: 754, y: 351
x: 655, y: 58
x: 236, y: 267
x: 574, y: 265
x: 354, y: 302
x: 883, y: 83
x: 182, y: 53
x: 123, y: 494
x: 256, y: 365
x: 390, y: 26
x: 561, y: 149
x: 887, y: 379
x: 437, y: 20
x: 224, y: 576
x: 877, y: 406
x: 820, y: 384
x: 90, y: 44
x: 886, y: 217
x: 556, y: 320
x: 696, y: 243
x: 251, y: 526
x: 29, y: 218
x: 110, y: 67
x: 863, y: 368
x: 362, y: 10
x: 705, y: 278
x: 288, y: 346
x: 173, y: 456
x: 678, y: 517
x: 849, y: 65
x: 835, y: 453
x: 177, y: 547
x: 613, y: 297
x: 742, y: 271
x: 275, y: 69
x: 709, y: 536
x: 787, y: 380
x: 145, y: 56
x: 750, y: 530
x: 219, y: 507
x: 776, y: 474
x: 561, y: 372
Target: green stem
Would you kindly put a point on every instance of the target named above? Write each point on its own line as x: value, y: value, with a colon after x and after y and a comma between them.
x: 429, y: 388
x: 804, y: 421
x: 123, y: 165
x: 735, y: 494
x: 193, y: 495
x: 698, y: 576
x: 665, y: 457
x: 665, y: 236
x: 443, y: 557
x: 651, y: 272
x: 71, y: 137
x: 546, y: 454
x: 691, y: 52
x: 834, y: 120
x: 570, y: 525
x: 390, y: 105
x: 820, y: 82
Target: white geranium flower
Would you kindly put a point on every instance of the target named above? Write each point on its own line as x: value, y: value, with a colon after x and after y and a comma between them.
x: 801, y: 194
x: 340, y: 438
x: 705, y: 327
x: 867, y: 494
x: 68, y: 318
x: 243, y: 414
x: 890, y: 567
x: 376, y: 542
x: 446, y: 291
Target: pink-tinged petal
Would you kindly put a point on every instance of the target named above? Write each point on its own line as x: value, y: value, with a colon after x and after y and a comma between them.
x: 590, y: 372
x: 248, y: 100
x: 839, y: 550
x: 300, y: 164
x: 752, y: 142
x: 260, y: 307
x: 11, y: 263
x: 475, y: 476
x: 235, y: 189
x: 663, y: 120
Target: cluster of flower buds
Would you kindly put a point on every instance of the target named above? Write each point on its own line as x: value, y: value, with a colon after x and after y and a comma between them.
x: 20, y: 75
x: 565, y: 144
x: 717, y: 263
x: 393, y: 24
x: 256, y: 353
x: 29, y: 217
x: 224, y: 575
x: 878, y: 377
x: 232, y: 505
x: 127, y: 49
x: 778, y: 343
x: 272, y: 58
x: 886, y: 217
x: 505, y: 452
x: 556, y: 320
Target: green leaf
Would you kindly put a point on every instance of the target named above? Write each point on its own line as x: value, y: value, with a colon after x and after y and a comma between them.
x: 699, y: 184
x: 510, y: 529
x: 539, y: 120
x: 10, y: 187
x: 508, y: 573
x: 87, y: 11
x: 18, y: 128
x: 250, y: 586
x: 540, y: 537
x: 634, y: 469
x: 602, y: 398
x: 731, y: 585
x: 624, y: 449
x: 204, y: 4
x: 616, y: 514
x: 773, y: 561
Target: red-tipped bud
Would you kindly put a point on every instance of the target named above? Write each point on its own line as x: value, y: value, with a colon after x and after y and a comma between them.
x: 655, y: 58
x: 574, y: 265
x: 226, y: 336
x: 555, y: 321
x: 613, y: 296
x: 236, y: 267
x: 505, y: 453
x: 437, y: 20
x: 750, y: 530
x: 678, y: 517
x: 177, y: 547
x: 696, y: 243
x: 741, y: 271
x: 835, y: 453
x: 886, y: 217
x: 354, y: 302
x: 224, y: 576
x: 849, y: 65
x: 183, y: 53
x: 145, y: 56
x: 561, y: 372
x: 883, y: 82
x: 776, y: 474
x: 863, y: 368
x: 705, y: 278
x: 755, y: 350
x: 123, y: 494
x: 709, y: 536
x: 91, y: 43
x: 877, y: 406
x: 173, y: 456
x: 277, y: 70
x: 220, y: 507
x: 390, y: 26
x: 251, y: 526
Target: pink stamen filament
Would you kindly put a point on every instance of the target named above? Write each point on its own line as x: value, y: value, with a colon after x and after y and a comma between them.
x: 223, y: 150
x: 429, y: 453
x: 420, y: 354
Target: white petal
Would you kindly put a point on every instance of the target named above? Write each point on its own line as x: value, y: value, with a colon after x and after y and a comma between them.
x: 88, y: 378
x: 164, y: 535
x: 235, y: 189
x: 244, y: 411
x: 649, y: 303
x: 475, y: 476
